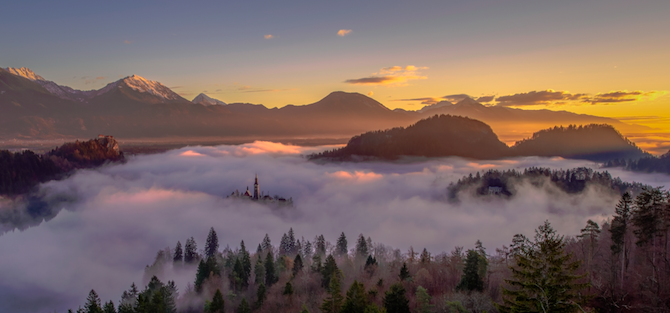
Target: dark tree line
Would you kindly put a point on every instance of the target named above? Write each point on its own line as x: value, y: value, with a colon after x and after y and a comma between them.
x: 648, y: 164
x: 20, y: 172
x: 570, y: 181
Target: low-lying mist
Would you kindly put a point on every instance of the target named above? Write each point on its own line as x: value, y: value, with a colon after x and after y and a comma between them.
x: 110, y: 222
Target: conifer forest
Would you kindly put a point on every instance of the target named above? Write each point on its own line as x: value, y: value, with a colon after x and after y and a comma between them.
x: 621, y: 265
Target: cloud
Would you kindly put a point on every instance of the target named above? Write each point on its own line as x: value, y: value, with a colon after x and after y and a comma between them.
x: 118, y: 216
x: 394, y: 75
x: 456, y: 98
x: 249, y: 89
x: 343, y: 32
x: 622, y: 96
x: 127, y: 42
x: 485, y: 99
x: 87, y: 80
x: 268, y: 36
x: 538, y: 97
x: 371, y: 93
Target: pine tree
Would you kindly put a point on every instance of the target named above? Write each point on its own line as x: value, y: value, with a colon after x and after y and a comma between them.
x: 619, y: 229
x: 590, y: 233
x: 201, y: 274
x: 93, y: 303
x: 483, y: 259
x: 307, y: 251
x: 404, y: 272
x: 395, y: 300
x: 244, y: 307
x: 425, y: 257
x: 288, y: 289
x: 544, y: 278
x: 190, y: 251
x: 246, y: 265
x: 471, y: 281
x: 178, y: 257
x: 270, y: 276
x: 304, y: 309
x: 218, y: 304
x: 333, y: 302
x: 356, y: 300
x: 341, y: 248
x: 320, y: 243
x: 260, y: 295
x: 291, y: 242
x: 284, y: 244
x: 212, y: 244
x: 297, y: 265
x: 423, y: 300
x: 109, y: 307
x: 328, y: 271
x: 236, y: 276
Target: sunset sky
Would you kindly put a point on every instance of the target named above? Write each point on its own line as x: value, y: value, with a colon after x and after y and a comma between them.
x: 605, y: 57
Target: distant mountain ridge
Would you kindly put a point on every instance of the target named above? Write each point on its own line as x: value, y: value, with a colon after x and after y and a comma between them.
x: 447, y: 135
x: 135, y: 107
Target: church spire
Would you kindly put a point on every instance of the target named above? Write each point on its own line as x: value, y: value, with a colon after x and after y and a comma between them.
x: 256, y: 190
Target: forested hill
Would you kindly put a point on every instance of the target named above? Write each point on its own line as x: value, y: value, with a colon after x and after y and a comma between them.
x: 649, y: 164
x: 506, y: 183
x: 22, y: 171
x: 595, y: 142
x: 437, y: 136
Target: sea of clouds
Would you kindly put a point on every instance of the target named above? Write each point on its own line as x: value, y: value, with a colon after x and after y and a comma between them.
x: 118, y: 216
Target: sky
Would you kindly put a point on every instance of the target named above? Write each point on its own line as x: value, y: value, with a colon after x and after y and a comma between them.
x: 113, y: 219
x: 601, y: 57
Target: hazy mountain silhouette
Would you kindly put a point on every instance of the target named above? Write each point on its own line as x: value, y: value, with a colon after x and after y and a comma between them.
x: 591, y: 142
x: 134, y: 107
x: 437, y: 136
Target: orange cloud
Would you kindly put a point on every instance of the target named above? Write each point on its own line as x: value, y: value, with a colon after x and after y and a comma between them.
x: 259, y: 147
x: 268, y: 36
x: 191, y: 153
x: 394, y: 75
x: 355, y: 176
x: 623, y: 96
x: 343, y: 32
x: 127, y: 42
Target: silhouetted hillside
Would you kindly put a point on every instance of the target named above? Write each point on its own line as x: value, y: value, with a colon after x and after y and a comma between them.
x: 437, y: 136
x: 505, y: 183
x: 595, y: 142
x: 648, y: 164
x: 21, y: 171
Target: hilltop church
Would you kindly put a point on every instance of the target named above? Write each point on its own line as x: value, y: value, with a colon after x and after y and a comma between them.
x: 259, y: 196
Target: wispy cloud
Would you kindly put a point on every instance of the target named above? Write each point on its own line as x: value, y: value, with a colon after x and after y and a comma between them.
x: 89, y: 80
x: 343, y: 32
x: 268, y: 36
x: 394, y: 75
x: 127, y: 42
x: 623, y: 96
x: 545, y: 97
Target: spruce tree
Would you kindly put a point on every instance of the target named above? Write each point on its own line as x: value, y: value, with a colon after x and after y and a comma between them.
x: 246, y: 264
x: 288, y: 289
x: 341, y: 248
x: 243, y: 307
x: 218, y: 304
x: 356, y: 300
x: 619, y: 229
x: 307, y: 250
x: 259, y: 270
x: 425, y: 257
x: 266, y: 244
x: 178, y: 257
x: 471, y: 281
x: 333, y: 302
x: 260, y: 295
x: 291, y: 242
x: 93, y: 303
x: 328, y: 271
x: 404, y: 272
x: 270, y: 275
x: 284, y: 245
x: 423, y: 300
x: 212, y: 244
x: 395, y: 300
x: 190, y: 251
x: 320, y: 243
x: 304, y: 309
x: 361, y: 248
x: 543, y: 279
x: 297, y: 265
x: 109, y: 307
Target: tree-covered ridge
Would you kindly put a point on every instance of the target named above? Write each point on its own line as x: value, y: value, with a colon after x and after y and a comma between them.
x: 440, y: 135
x: 504, y: 183
x: 648, y: 164
x: 21, y: 171
x: 621, y: 265
x: 595, y: 142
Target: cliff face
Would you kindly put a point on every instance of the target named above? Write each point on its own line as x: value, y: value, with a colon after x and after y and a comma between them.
x: 437, y: 136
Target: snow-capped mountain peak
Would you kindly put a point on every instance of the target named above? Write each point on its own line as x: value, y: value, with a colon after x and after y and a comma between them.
x: 25, y: 72
x: 207, y: 100
x: 155, y: 88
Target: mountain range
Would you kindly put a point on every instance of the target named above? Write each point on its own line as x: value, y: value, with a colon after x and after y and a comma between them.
x: 135, y: 107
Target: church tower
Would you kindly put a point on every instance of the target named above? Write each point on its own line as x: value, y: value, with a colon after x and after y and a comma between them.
x: 256, y: 188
